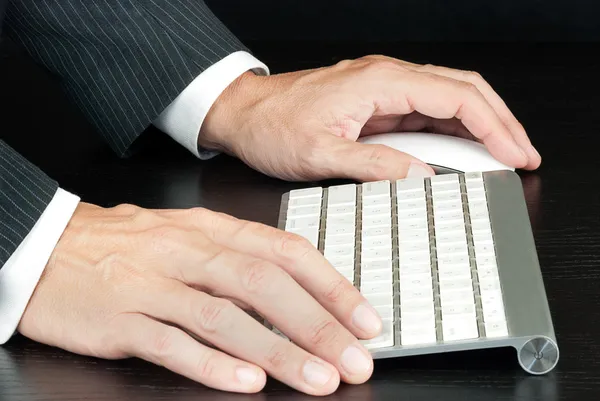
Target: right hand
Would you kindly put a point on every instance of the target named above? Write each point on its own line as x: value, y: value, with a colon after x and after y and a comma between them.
x: 155, y: 284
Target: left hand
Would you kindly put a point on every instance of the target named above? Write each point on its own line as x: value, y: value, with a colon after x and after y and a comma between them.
x: 304, y: 125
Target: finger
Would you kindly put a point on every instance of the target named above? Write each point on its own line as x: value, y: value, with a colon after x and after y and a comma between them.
x: 449, y: 126
x: 292, y: 310
x: 170, y: 347
x: 516, y: 129
x: 441, y: 97
x: 227, y: 327
x: 416, y: 122
x: 303, y: 262
x: 345, y: 158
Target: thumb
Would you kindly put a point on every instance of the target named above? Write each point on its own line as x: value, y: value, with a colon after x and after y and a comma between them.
x: 368, y: 162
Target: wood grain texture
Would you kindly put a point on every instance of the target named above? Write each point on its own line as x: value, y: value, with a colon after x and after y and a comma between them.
x: 553, y: 89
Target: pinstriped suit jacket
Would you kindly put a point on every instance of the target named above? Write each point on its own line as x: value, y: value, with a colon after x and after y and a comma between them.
x: 122, y: 62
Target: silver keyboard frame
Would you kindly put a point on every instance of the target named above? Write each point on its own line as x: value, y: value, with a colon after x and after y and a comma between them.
x: 530, y: 328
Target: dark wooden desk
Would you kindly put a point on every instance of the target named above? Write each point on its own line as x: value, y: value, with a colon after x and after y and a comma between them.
x: 553, y: 89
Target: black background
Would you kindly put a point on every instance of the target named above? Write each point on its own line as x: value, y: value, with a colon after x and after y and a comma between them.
x: 412, y: 20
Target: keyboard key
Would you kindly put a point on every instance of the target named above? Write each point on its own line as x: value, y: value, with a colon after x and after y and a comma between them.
x: 339, y: 261
x: 337, y: 240
x: 417, y: 321
x: 341, y: 195
x: 306, y: 211
x: 455, y: 226
x: 367, y: 288
x: 484, y: 249
x: 475, y: 193
x: 376, y: 276
x: 489, y: 284
x: 376, y: 242
x: 414, y: 224
x: 454, y: 274
x: 341, y: 220
x: 376, y: 254
x: 339, y: 251
x: 447, y: 207
x: 496, y: 329
x: 306, y: 193
x: 417, y: 235
x: 385, y: 338
x: 493, y: 313
x: 457, y: 298
x: 377, y: 211
x: 410, y: 258
x: 416, y: 281
x: 302, y: 223
x: 473, y: 177
x: 339, y: 230
x: 341, y: 210
x: 413, y: 246
x: 377, y: 221
x: 412, y: 214
x: 445, y: 197
x: 459, y: 329
x: 412, y: 205
x: 455, y: 285
x: 376, y: 189
x: 375, y: 265
x: 385, y: 312
x: 376, y: 300
x: 381, y: 201
x: 376, y: 232
x: 450, y: 216
x: 409, y: 294
x: 485, y: 260
x: 410, y: 185
x: 451, y: 249
x: 407, y: 197
x: 458, y: 311
x: 450, y: 238
x: 414, y: 269
x: 421, y: 336
x: 438, y: 180
x: 301, y: 202
x: 445, y: 187
x: 453, y: 260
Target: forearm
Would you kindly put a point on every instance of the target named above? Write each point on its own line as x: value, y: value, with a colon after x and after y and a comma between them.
x: 124, y: 65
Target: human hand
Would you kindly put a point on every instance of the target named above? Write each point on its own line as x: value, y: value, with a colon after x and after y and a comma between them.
x: 304, y: 125
x: 130, y: 282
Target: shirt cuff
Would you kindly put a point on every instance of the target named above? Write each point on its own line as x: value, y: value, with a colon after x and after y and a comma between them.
x: 20, y: 274
x: 183, y: 118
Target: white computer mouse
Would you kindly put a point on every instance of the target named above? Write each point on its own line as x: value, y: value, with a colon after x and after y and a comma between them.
x: 445, y: 151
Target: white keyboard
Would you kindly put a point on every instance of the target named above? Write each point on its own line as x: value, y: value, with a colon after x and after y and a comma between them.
x: 421, y: 251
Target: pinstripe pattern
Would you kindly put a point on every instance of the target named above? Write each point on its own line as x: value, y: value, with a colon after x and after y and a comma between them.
x: 24, y: 194
x: 122, y: 62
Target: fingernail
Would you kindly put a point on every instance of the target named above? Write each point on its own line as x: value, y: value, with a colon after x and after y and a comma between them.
x: 246, y: 376
x: 315, y: 374
x: 366, y: 319
x: 419, y: 170
x: 354, y: 361
x: 535, y: 152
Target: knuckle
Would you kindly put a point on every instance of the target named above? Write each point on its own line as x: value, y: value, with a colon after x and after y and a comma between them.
x: 126, y: 209
x: 322, y: 331
x: 277, y: 356
x: 161, y: 344
x: 380, y: 66
x: 206, y: 365
x: 258, y: 276
x: 292, y: 246
x: 345, y: 64
x: 216, y: 315
x: 336, y: 291
x: 473, y: 77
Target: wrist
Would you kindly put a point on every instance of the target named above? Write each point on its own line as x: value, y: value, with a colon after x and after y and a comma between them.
x: 227, y: 116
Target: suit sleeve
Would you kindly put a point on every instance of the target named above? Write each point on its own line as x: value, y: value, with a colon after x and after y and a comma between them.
x: 25, y: 191
x: 121, y: 62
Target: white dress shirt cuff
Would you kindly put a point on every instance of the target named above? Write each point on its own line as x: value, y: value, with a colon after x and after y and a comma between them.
x: 183, y: 118
x: 20, y: 274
